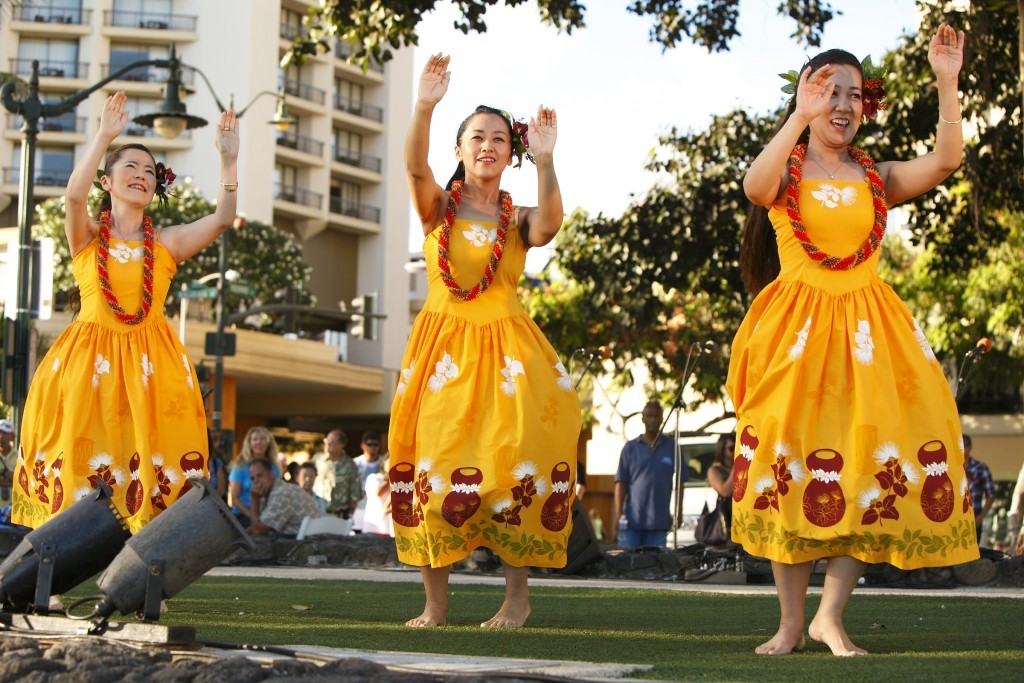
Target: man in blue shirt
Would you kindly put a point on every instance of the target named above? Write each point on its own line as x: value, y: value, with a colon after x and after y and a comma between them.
x: 643, y: 483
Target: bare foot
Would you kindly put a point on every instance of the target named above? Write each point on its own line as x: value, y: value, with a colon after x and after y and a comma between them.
x: 834, y: 635
x: 511, y: 615
x: 784, y: 642
x: 433, y: 615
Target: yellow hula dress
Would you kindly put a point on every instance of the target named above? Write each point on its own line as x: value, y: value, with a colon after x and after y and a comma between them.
x: 485, y: 421
x: 112, y: 402
x: 848, y: 441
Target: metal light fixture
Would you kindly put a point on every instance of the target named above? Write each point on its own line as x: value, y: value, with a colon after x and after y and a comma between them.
x: 282, y: 119
x: 170, y: 119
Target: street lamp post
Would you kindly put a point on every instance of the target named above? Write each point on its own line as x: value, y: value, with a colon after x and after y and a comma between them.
x: 31, y: 109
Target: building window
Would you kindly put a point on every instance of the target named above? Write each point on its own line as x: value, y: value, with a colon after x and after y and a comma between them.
x: 346, y: 198
x: 348, y: 146
x: 57, y: 58
x: 53, y: 165
x: 122, y: 54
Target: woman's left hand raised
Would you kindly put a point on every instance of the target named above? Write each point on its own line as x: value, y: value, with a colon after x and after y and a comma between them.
x: 227, y: 135
x: 946, y: 52
x: 543, y: 131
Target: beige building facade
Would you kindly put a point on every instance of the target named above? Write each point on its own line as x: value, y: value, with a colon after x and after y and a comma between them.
x: 335, y: 180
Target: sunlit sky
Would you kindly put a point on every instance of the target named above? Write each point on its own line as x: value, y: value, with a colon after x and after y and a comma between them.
x: 615, y: 92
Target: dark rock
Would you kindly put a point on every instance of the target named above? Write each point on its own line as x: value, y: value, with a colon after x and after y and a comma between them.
x: 234, y: 669
x: 294, y: 667
x: 976, y: 573
x: 181, y: 671
x: 19, y: 665
x: 1011, y: 572
x: 355, y: 667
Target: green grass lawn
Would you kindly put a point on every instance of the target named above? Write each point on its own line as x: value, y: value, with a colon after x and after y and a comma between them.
x: 685, y: 636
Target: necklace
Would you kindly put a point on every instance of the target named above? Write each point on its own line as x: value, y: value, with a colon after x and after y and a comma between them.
x: 831, y: 174
x: 147, y: 271
x: 444, y: 241
x: 874, y: 238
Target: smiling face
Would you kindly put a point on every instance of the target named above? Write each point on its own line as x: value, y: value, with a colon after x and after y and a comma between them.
x: 485, y: 147
x: 838, y: 126
x: 259, y: 443
x: 131, y: 177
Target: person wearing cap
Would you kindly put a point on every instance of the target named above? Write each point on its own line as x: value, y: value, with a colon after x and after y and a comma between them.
x: 8, y: 459
x: 368, y: 463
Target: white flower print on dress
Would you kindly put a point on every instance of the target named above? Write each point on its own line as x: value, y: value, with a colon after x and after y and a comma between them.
x: 831, y: 196
x: 797, y: 350
x: 512, y: 369
x: 406, y: 374
x: 865, y: 351
x: 100, y: 367
x: 120, y: 252
x: 147, y: 370
x: 564, y: 381
x: 444, y: 370
x: 926, y: 348
x: 188, y: 371
x: 478, y: 235
x: 868, y: 496
x: 56, y: 364
x: 81, y: 492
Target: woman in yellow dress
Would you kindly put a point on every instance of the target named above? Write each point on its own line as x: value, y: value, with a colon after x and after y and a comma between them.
x: 116, y: 399
x: 849, y: 442
x: 485, y: 423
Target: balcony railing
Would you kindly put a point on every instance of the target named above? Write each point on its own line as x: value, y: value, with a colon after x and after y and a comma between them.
x: 65, y: 123
x: 358, y: 107
x: 291, y: 31
x: 355, y: 209
x: 157, y: 21
x: 298, y: 195
x: 51, y: 68
x: 293, y: 86
x: 49, y: 177
x: 149, y: 74
x: 302, y: 143
x: 343, y: 50
x: 358, y: 159
x: 53, y: 15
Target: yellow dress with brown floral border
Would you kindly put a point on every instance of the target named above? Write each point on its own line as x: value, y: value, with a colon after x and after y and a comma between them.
x: 485, y: 421
x: 848, y: 438
x: 112, y: 402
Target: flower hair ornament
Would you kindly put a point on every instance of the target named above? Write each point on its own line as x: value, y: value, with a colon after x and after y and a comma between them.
x: 164, y: 178
x: 872, y: 91
x: 520, y: 140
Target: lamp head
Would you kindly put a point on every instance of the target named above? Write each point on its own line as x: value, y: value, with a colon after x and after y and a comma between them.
x: 170, y: 119
x: 282, y: 119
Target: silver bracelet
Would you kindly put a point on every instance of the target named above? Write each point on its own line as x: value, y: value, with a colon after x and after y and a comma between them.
x: 952, y: 123
x: 229, y: 187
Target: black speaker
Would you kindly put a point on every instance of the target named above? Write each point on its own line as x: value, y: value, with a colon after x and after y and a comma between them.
x: 582, y: 548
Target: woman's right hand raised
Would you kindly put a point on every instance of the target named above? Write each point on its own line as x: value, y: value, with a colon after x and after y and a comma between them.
x: 434, y: 79
x: 114, y: 118
x: 813, y: 92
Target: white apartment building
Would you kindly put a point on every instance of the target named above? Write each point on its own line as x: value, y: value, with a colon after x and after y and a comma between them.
x: 335, y: 180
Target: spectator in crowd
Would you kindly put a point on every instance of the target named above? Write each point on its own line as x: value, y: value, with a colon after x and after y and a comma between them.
x: 276, y: 507
x: 983, y: 490
x: 306, y: 481
x: 337, y: 477
x: 8, y: 460
x: 258, y: 443
x: 720, y: 474
x: 368, y: 463
x: 377, y: 516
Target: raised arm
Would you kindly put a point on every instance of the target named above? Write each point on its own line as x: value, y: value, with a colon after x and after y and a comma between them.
x: 428, y: 198
x: 79, y: 226
x: 183, y: 241
x: 907, y: 179
x: 544, y: 221
x: 768, y: 174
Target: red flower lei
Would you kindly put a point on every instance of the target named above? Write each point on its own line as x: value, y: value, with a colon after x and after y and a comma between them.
x: 147, y: 271
x: 443, y: 242
x: 874, y: 238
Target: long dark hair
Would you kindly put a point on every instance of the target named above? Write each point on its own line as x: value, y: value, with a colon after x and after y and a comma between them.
x: 759, y: 254
x: 460, y: 170
x: 111, y: 160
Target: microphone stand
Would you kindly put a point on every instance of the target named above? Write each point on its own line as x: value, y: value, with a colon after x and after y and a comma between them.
x: 586, y: 368
x: 677, y: 483
x: 962, y: 378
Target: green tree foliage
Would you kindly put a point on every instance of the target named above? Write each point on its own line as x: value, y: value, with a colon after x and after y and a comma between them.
x: 268, y: 259
x: 375, y: 27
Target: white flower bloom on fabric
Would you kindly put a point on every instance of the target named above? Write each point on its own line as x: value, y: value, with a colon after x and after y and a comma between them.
x: 435, y: 382
x: 478, y: 235
x: 138, y: 253
x: 827, y: 476
x: 425, y: 464
x: 173, y: 475
x: 782, y: 448
x: 188, y: 371
x: 564, y: 381
x: 936, y: 469
x: 960, y: 443
x: 81, y: 492
x: 541, y: 484
x: 926, y: 348
x: 155, y: 491
x: 865, y: 351
x: 502, y: 504
x: 406, y: 374
x: 764, y: 483
x: 524, y: 469
x: 746, y: 451
x: 147, y: 369
x: 911, y: 472
x: 95, y: 381
x: 101, y: 366
x: 831, y: 196
x: 886, y: 452
x: 101, y: 460
x: 158, y: 460
x: 963, y: 487
x: 120, y: 252
x: 560, y: 487
x: 119, y: 476
x: 513, y: 367
x: 508, y: 387
x: 796, y: 469
x: 56, y: 364
x: 797, y: 349
x: 868, y: 496
x: 436, y: 483
x: 447, y: 367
